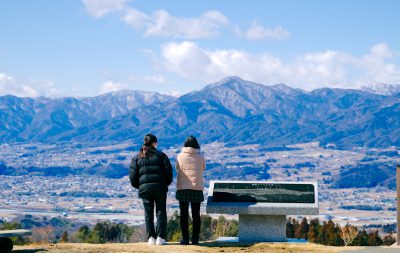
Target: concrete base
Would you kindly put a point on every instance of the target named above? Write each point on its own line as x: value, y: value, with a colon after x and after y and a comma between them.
x: 262, y: 228
x: 227, y: 239
x: 236, y: 240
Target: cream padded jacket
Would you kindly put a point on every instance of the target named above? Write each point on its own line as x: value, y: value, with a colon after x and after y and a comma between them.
x: 190, y: 165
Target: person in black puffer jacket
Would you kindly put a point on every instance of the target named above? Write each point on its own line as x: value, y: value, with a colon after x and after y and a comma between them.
x: 151, y: 173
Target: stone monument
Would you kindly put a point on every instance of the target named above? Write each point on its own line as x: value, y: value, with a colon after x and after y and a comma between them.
x: 262, y: 205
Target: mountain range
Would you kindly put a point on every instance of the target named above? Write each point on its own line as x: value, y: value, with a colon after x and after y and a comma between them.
x: 232, y: 110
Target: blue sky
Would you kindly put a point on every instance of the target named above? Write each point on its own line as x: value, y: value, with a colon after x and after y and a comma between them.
x: 88, y: 47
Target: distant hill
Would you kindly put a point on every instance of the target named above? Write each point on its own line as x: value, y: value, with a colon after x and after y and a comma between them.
x: 43, y: 119
x: 233, y: 110
x: 367, y: 175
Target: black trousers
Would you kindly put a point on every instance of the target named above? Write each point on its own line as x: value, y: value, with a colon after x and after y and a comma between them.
x: 160, y: 200
x: 184, y: 208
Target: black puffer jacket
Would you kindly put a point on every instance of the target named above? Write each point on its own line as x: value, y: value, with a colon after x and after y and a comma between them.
x: 153, y: 173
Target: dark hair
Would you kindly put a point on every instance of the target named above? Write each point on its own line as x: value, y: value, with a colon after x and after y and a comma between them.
x: 191, y: 141
x: 149, y: 140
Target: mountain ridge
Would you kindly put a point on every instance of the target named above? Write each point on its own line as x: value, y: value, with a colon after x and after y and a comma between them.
x: 232, y: 110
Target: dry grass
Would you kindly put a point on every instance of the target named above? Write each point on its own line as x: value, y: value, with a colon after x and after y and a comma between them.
x: 175, y: 248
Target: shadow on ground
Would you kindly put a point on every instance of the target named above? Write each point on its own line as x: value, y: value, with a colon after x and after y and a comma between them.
x: 29, y: 250
x: 226, y: 244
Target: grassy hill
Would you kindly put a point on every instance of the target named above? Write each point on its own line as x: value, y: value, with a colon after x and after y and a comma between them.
x: 175, y: 248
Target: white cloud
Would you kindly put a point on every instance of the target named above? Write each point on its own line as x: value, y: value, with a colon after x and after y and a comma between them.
x: 381, y: 50
x: 135, y: 18
x: 100, y: 8
x: 186, y: 59
x: 4, y: 78
x: 380, y: 64
x: 46, y: 88
x: 173, y: 93
x: 33, y: 88
x: 154, y: 79
x: 307, y: 71
x: 205, y: 26
x: 150, y: 79
x: 160, y: 22
x: 111, y: 86
x: 259, y: 32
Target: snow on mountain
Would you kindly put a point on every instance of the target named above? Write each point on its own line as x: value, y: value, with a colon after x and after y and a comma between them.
x: 232, y: 110
x: 383, y: 89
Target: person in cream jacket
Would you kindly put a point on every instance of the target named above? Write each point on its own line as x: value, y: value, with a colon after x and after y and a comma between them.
x: 190, y: 165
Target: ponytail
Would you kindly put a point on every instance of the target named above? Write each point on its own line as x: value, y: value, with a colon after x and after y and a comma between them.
x: 148, y: 142
x: 143, y: 151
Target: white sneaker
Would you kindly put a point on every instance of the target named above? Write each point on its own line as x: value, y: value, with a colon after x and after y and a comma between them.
x: 151, y: 241
x: 161, y: 241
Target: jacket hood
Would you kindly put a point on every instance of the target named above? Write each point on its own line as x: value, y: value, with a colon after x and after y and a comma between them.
x: 190, y: 150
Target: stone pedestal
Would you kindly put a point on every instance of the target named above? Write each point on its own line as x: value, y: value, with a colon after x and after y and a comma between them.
x: 262, y: 228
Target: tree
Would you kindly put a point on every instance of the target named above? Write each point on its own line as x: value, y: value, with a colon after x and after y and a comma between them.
x: 361, y: 239
x: 329, y: 234
x: 58, y: 222
x: 313, y: 230
x: 43, y: 234
x: 98, y: 233
x: 64, y: 237
x: 322, y: 234
x: 123, y: 233
x: 224, y: 227
x: 302, y: 230
x: 374, y: 239
x: 348, y: 234
x: 11, y: 226
x: 389, y: 240
x: 106, y: 231
x: 173, y: 227
x: 220, y: 227
x: 296, y: 226
x: 83, y: 233
x: 289, y: 228
x: 205, y: 229
x: 333, y: 234
x: 232, y: 229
